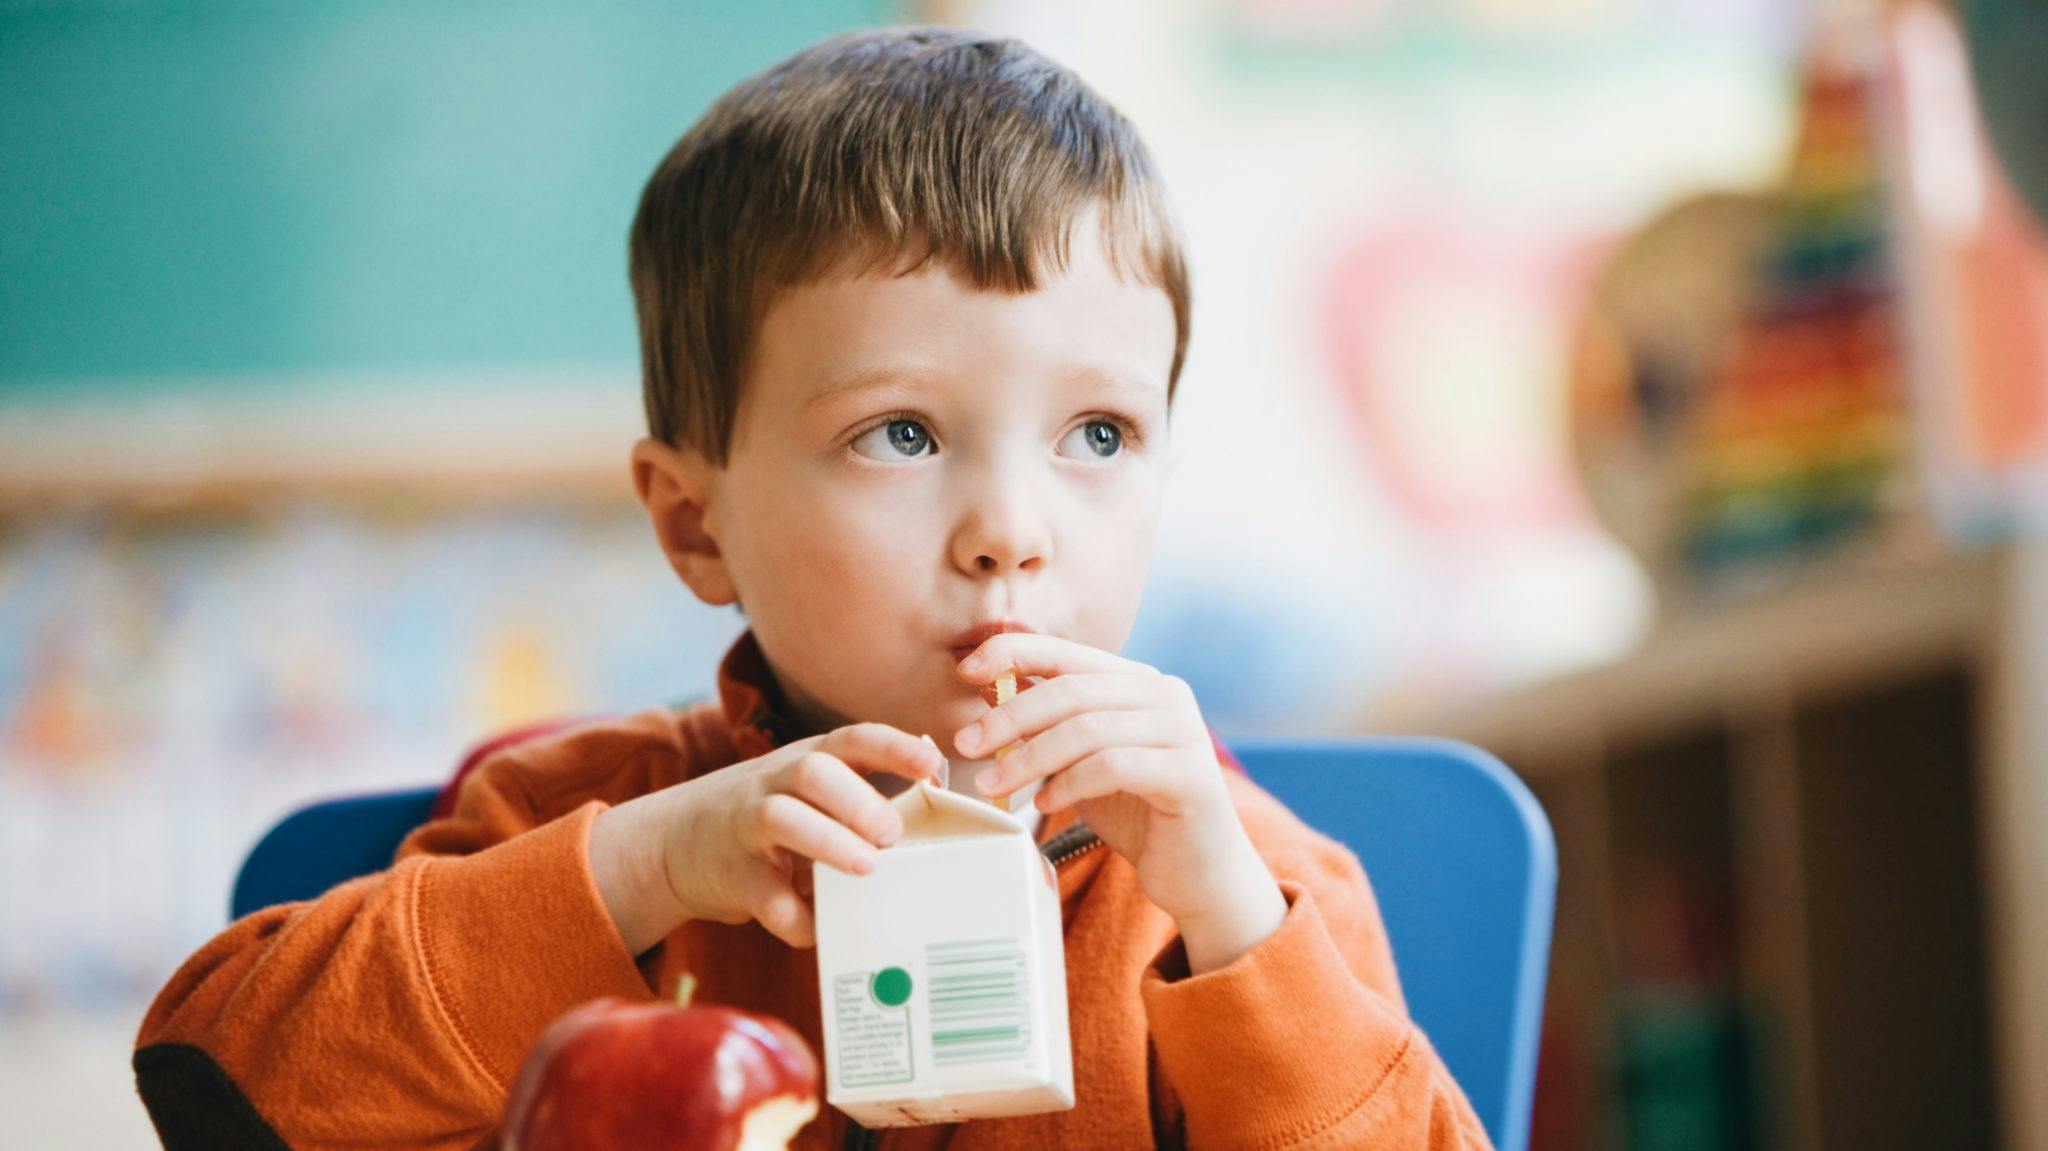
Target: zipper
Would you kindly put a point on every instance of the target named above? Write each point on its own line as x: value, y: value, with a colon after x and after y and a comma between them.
x: 1061, y: 849
x: 1071, y: 844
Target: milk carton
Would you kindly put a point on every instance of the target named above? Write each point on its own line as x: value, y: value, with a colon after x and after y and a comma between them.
x: 942, y: 974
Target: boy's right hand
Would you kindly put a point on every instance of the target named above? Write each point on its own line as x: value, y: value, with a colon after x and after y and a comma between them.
x: 728, y: 845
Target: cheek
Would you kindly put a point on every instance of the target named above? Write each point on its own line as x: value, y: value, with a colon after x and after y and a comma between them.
x: 851, y: 551
x: 1112, y: 561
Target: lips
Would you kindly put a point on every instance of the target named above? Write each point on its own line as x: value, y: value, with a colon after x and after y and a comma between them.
x: 974, y: 637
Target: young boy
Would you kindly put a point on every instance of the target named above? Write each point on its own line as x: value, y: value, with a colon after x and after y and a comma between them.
x: 912, y: 309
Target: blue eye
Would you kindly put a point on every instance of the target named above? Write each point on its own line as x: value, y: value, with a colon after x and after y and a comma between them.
x: 901, y: 439
x: 1102, y: 438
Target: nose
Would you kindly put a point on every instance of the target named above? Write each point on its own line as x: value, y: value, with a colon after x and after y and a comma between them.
x: 1003, y: 528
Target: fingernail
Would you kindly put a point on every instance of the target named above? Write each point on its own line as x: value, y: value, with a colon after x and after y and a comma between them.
x: 969, y: 738
x: 972, y: 662
x: 989, y: 781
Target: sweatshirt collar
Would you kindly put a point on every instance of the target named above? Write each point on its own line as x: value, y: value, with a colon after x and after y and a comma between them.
x: 755, y: 710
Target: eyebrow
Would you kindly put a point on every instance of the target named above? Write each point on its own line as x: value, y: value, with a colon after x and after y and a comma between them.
x: 1136, y: 390
x: 892, y: 379
x: 865, y: 380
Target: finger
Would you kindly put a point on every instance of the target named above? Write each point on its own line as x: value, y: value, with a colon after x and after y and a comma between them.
x: 1041, y: 655
x: 827, y: 783
x: 1056, y: 700
x: 868, y: 747
x: 782, y: 820
x: 1069, y: 741
x: 778, y: 908
x: 1155, y: 775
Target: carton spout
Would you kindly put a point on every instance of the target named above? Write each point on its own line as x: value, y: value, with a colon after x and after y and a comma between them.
x: 930, y: 813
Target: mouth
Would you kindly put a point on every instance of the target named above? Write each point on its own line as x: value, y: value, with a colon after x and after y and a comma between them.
x: 963, y: 644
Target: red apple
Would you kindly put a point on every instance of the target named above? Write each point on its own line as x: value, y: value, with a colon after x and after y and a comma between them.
x: 656, y: 1076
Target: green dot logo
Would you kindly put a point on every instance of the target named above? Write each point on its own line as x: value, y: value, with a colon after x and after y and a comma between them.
x: 890, y: 986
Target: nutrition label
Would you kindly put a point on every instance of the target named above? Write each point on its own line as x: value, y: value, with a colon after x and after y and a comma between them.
x: 871, y: 1013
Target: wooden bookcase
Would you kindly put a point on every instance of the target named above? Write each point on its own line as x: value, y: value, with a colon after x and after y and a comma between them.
x: 1801, y: 895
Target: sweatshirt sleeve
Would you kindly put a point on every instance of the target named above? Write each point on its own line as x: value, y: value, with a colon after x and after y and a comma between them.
x: 1304, y: 1041
x: 394, y: 1009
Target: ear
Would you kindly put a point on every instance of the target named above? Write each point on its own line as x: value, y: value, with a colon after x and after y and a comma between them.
x: 675, y: 486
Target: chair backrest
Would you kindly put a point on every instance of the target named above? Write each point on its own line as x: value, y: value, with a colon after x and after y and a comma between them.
x: 1459, y: 855
x: 1461, y: 860
x: 328, y: 843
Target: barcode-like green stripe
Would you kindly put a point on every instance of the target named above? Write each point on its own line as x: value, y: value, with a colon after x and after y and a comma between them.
x: 979, y: 1004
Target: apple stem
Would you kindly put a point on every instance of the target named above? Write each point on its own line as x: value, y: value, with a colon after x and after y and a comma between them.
x: 686, y: 986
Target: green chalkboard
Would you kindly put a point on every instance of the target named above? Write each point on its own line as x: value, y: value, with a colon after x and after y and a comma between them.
x: 258, y: 193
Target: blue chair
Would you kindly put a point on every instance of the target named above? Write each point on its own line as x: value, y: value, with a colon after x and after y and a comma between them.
x: 1459, y: 854
x: 328, y: 843
x: 1461, y: 859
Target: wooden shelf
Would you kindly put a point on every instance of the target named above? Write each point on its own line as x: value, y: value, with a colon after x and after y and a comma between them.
x: 1833, y: 629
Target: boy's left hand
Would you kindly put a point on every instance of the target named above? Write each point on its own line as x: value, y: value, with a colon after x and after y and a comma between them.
x: 1127, y: 747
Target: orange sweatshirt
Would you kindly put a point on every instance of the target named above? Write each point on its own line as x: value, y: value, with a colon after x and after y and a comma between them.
x: 393, y: 1010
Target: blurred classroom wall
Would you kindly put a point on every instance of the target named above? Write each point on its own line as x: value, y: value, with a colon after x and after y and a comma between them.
x: 317, y: 374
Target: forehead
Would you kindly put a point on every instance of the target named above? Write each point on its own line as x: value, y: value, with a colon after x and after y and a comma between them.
x: 1086, y: 327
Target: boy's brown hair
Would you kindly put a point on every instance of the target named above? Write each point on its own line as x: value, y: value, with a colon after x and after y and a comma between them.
x: 889, y: 148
